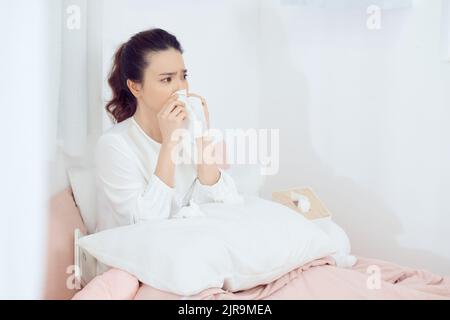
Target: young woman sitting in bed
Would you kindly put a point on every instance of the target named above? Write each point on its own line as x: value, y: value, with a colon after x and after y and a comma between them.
x: 137, y: 179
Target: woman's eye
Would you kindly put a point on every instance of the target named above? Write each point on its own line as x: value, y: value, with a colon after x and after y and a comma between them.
x: 185, y: 76
x: 166, y: 80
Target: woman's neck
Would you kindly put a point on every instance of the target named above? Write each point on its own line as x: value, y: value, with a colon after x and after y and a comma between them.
x: 148, y: 121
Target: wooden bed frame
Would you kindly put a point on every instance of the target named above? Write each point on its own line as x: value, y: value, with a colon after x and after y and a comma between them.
x: 85, y: 264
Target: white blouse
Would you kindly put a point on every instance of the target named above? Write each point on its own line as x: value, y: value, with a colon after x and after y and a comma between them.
x: 128, y: 191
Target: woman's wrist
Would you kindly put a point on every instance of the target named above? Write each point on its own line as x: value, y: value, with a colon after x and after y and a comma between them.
x: 208, y: 176
x: 169, y: 144
x: 166, y: 166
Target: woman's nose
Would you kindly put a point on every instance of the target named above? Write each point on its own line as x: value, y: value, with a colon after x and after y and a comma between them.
x: 182, y: 85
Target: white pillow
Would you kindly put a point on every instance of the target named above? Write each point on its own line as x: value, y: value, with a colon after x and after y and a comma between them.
x: 235, y: 247
x: 340, y: 239
x: 82, y: 181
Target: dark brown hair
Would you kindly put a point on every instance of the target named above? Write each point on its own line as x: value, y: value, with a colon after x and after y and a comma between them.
x: 130, y: 61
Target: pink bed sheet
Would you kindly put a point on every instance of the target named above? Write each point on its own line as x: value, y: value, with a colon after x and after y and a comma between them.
x: 320, y: 279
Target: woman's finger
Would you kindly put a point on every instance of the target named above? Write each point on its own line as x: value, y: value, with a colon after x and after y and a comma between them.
x: 182, y: 115
x: 169, y: 105
x: 176, y: 111
x: 172, y: 108
x: 198, y: 96
x: 204, y: 104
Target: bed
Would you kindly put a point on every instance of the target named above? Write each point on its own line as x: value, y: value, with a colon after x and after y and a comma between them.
x: 71, y: 275
x: 320, y: 279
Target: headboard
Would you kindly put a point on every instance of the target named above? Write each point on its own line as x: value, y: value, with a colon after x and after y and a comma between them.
x: 63, y: 219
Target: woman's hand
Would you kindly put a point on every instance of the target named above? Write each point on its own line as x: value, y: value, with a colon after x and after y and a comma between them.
x: 171, y: 117
x: 207, y: 169
x: 205, y: 107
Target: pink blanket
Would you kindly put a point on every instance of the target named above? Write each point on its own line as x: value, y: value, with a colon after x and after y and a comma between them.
x: 320, y: 279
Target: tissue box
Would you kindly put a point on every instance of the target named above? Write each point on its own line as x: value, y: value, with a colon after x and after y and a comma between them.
x: 304, y: 201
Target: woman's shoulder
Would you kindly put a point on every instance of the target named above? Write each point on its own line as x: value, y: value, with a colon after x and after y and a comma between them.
x: 119, y: 128
x: 115, y: 136
x: 126, y: 141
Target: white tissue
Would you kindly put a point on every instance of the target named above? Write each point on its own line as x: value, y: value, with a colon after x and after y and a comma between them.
x: 303, y: 202
x: 192, y: 210
x: 196, y: 121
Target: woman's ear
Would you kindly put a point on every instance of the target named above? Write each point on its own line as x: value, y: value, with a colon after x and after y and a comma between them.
x: 134, y: 87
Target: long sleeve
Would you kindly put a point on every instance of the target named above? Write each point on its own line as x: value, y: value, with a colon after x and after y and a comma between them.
x: 224, y: 190
x: 125, y: 189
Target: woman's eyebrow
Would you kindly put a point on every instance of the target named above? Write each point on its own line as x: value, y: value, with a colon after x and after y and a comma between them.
x: 171, y: 73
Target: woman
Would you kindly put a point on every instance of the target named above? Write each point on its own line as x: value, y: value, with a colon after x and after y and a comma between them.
x: 137, y: 179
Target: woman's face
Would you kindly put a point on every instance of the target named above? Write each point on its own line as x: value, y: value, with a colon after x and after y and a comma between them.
x: 164, y: 75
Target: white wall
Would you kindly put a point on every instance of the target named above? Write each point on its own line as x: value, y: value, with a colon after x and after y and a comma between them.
x: 363, y: 117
